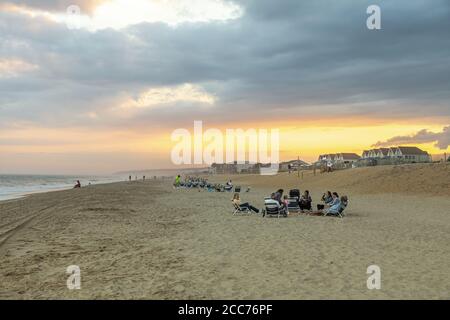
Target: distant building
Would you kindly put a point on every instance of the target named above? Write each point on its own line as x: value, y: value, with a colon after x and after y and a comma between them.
x: 375, y: 153
x: 346, y: 157
x: 380, y: 156
x: 223, y: 168
x: 339, y: 157
x: 293, y: 164
x: 327, y: 157
x: 409, y: 154
x: 235, y: 167
x: 382, y: 153
x: 395, y: 154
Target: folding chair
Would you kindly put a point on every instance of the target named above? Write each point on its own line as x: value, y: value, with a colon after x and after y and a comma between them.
x: 294, y: 193
x: 273, y: 208
x: 293, y: 205
x: 239, y: 209
x: 340, y: 212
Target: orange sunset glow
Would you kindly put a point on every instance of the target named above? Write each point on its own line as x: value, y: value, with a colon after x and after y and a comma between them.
x: 99, y: 86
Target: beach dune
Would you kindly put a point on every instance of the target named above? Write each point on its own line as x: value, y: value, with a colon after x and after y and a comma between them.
x: 145, y: 240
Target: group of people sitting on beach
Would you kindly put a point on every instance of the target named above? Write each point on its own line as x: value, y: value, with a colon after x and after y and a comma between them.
x: 296, y: 201
x: 332, y: 203
x: 190, y: 182
x: 202, y: 183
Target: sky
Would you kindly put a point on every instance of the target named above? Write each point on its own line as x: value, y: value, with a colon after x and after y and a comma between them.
x: 103, y: 93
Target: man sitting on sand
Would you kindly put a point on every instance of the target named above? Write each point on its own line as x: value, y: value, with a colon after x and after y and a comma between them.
x: 77, y: 185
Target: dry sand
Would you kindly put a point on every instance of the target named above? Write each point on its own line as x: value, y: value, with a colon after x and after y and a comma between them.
x: 144, y: 240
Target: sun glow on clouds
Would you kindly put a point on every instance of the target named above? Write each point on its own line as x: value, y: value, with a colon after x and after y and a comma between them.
x: 13, y: 67
x: 118, y: 14
x: 170, y: 95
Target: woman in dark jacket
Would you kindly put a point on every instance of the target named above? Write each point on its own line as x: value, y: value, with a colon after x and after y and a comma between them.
x: 305, y: 201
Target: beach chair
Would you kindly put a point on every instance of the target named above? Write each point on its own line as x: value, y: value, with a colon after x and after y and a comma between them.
x: 273, y: 208
x: 340, y: 212
x: 294, y: 193
x: 239, y: 209
x: 293, y: 205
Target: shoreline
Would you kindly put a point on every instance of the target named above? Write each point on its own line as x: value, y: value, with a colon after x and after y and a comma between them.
x: 22, y: 195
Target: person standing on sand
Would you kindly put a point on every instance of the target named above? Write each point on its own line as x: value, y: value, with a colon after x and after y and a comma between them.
x: 329, y: 166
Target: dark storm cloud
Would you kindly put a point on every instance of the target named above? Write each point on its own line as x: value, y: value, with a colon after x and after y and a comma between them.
x: 296, y: 58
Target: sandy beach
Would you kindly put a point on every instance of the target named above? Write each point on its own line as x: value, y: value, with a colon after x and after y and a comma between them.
x: 145, y: 240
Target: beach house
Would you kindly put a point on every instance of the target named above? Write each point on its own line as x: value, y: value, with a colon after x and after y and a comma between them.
x: 382, y: 153
x: 235, y: 167
x: 293, y: 164
x: 328, y: 157
x: 409, y: 154
x: 346, y: 157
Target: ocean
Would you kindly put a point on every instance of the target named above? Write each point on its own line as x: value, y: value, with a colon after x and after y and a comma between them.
x: 16, y: 186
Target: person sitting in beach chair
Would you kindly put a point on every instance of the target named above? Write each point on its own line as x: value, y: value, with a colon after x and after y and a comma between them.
x: 273, y: 207
x: 336, y: 207
x: 242, y: 207
x: 327, y: 198
x: 337, y: 210
x: 305, y: 201
x: 228, y: 186
x: 278, y: 196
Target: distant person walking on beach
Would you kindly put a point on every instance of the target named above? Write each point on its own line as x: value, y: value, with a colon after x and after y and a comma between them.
x: 129, y: 178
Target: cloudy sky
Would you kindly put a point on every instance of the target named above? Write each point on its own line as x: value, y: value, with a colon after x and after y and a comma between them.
x: 104, y: 92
